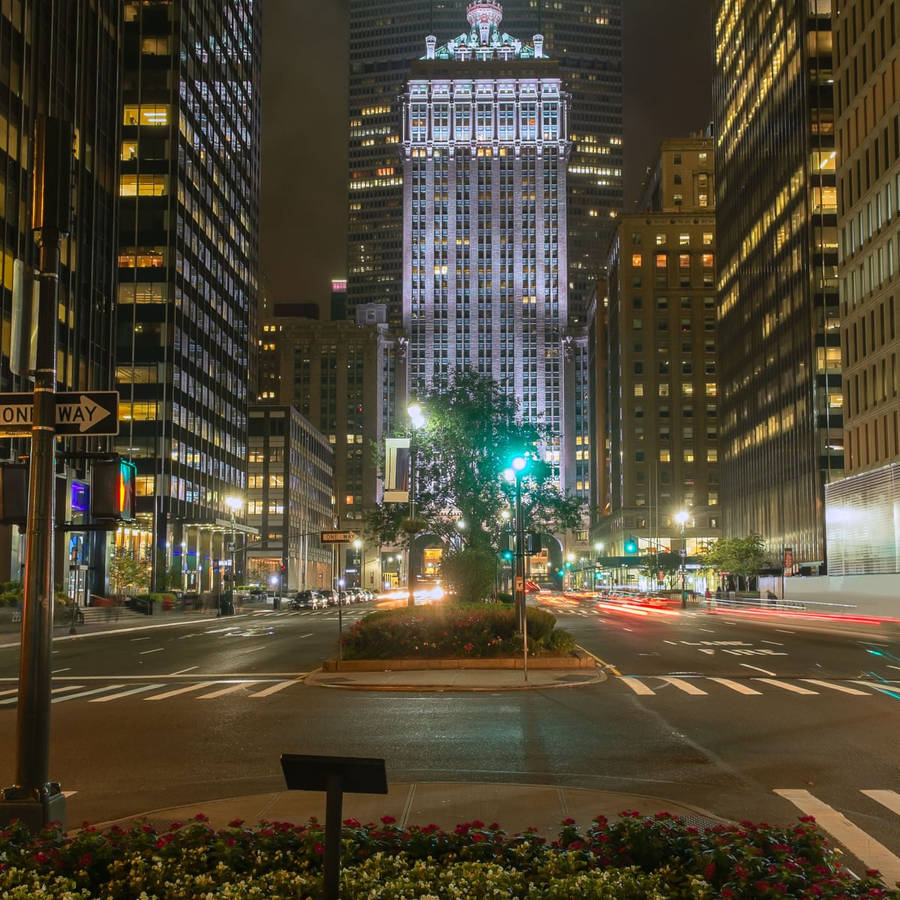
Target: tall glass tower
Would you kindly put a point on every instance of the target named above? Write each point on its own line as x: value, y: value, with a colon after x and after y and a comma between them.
x: 188, y: 271
x: 583, y: 36
x: 779, y: 326
x: 484, y: 140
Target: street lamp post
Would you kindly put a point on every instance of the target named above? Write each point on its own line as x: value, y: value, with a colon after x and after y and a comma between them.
x: 234, y: 504
x: 358, y: 546
x: 417, y: 417
x: 598, y: 547
x: 514, y: 474
x: 681, y: 518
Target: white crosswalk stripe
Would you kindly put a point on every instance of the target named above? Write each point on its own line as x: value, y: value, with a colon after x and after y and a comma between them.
x: 786, y: 685
x: 737, y: 686
x: 650, y: 686
x: 136, y: 690
x: 685, y: 686
x: 66, y: 697
x: 890, y: 799
x: 862, y: 845
x: 182, y: 690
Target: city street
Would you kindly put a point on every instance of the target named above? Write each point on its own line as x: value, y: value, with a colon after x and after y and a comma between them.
x: 714, y: 709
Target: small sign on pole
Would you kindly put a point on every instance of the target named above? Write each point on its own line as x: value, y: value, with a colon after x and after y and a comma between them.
x: 81, y: 413
x: 337, y: 537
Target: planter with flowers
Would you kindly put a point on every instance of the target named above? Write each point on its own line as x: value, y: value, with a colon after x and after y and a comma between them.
x: 634, y: 858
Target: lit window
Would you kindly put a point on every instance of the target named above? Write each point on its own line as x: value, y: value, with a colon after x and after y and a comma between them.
x: 146, y: 114
x: 707, y: 238
x: 684, y: 240
x: 665, y: 454
x: 636, y: 260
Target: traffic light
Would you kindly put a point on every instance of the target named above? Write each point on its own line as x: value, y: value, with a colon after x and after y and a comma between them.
x: 631, y: 546
x: 14, y: 494
x: 507, y: 555
x: 112, y: 490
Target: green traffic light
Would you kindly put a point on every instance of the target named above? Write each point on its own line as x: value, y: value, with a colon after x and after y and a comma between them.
x: 631, y: 546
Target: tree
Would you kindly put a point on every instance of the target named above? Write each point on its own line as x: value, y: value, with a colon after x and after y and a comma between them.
x: 126, y: 571
x: 472, y: 431
x: 470, y: 573
x: 742, y: 557
x: 666, y: 562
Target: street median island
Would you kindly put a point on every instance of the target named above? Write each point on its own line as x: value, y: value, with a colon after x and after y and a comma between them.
x: 455, y: 636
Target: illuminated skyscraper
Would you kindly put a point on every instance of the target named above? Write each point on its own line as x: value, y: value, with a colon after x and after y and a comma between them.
x: 779, y: 329
x: 188, y: 271
x: 485, y: 124
x: 585, y: 38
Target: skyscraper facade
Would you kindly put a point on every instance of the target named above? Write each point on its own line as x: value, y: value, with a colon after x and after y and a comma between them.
x: 585, y: 38
x: 863, y: 534
x: 484, y: 140
x: 188, y: 269
x: 779, y: 329
x: 84, y: 41
x: 663, y: 412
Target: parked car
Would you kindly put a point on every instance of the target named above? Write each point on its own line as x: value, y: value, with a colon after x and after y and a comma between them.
x: 307, y: 600
x: 330, y: 597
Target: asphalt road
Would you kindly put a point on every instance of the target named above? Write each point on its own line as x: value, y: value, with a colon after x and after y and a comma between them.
x: 713, y: 709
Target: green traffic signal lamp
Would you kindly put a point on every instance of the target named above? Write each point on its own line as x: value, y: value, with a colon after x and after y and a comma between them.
x: 631, y: 546
x: 507, y: 555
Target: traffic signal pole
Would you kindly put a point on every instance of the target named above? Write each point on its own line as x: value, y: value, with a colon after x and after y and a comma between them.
x: 34, y: 798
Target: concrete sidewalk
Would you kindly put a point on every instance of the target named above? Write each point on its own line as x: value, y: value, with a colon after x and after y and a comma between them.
x: 515, y: 807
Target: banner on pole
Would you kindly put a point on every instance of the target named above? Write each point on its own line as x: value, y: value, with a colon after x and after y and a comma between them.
x: 396, y: 470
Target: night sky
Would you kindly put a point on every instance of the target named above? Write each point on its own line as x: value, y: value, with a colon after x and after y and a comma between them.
x: 304, y: 123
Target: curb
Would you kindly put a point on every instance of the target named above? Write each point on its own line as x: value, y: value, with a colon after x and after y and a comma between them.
x: 598, y: 678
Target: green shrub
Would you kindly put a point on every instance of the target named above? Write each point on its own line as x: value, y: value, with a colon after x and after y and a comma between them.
x: 505, y: 597
x: 447, y: 630
x: 633, y: 858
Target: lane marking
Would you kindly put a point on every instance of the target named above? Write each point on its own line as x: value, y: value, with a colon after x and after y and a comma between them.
x: 673, y: 643
x: 787, y: 686
x: 138, y: 690
x: 222, y: 692
x: 220, y: 630
x: 784, y: 631
x: 890, y: 799
x: 683, y: 685
x: 597, y: 659
x: 737, y: 686
x: 837, y: 687
x: 860, y: 844
x: 147, y: 638
x: 182, y: 671
x: 14, y: 690
x: 637, y: 686
x: 888, y: 689
x: 99, y: 690
x: 69, y: 669
x: 311, y: 633
x: 56, y: 690
x: 773, y: 643
x: 191, y: 687
x: 758, y: 669
x: 155, y: 650
x: 275, y: 688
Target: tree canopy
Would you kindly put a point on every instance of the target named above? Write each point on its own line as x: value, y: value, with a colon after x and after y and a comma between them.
x: 472, y: 431
x: 738, y: 556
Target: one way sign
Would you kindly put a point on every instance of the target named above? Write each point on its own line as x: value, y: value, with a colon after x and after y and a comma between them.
x: 79, y: 413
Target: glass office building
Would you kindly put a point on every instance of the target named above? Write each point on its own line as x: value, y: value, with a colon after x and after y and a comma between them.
x: 585, y: 38
x: 188, y: 271
x: 780, y: 389
x: 82, y: 87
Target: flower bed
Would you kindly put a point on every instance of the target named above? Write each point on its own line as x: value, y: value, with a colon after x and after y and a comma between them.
x: 639, y: 858
x: 467, y: 630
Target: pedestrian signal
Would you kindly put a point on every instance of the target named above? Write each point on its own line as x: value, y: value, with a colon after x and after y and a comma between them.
x: 112, y: 490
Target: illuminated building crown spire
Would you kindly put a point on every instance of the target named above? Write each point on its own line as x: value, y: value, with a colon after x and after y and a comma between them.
x: 485, y: 15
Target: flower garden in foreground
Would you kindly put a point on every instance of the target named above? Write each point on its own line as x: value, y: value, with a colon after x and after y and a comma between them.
x: 634, y: 858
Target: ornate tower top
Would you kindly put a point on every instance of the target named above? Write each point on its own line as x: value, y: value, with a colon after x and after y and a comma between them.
x: 486, y: 15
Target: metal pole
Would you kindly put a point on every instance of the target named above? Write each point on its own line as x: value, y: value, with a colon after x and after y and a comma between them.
x: 520, y: 574
x: 683, y: 558
x: 34, y: 798
x: 333, y: 803
x: 410, y: 582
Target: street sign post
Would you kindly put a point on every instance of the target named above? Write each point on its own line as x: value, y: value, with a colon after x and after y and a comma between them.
x: 78, y: 413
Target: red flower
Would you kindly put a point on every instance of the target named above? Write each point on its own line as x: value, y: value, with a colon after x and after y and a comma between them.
x: 709, y: 871
x: 235, y: 823
x: 200, y: 817
x: 478, y: 824
x: 352, y: 823
x: 388, y: 820
x: 319, y: 849
x: 568, y: 821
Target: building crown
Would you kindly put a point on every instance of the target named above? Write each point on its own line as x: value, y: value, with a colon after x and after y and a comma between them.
x: 484, y: 40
